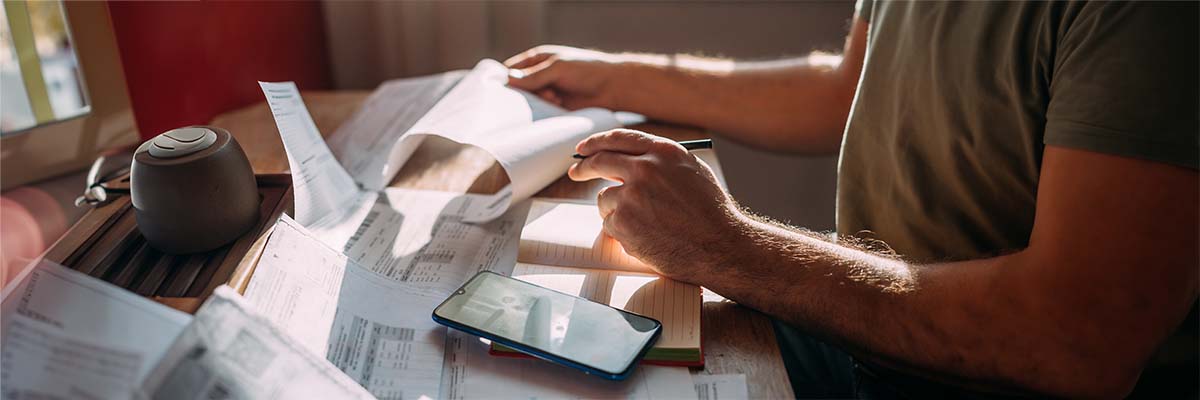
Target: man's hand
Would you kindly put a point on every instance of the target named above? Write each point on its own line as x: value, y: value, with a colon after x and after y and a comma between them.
x: 669, y: 211
x: 569, y: 77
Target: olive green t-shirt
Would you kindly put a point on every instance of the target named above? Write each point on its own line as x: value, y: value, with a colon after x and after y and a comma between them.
x: 957, y: 101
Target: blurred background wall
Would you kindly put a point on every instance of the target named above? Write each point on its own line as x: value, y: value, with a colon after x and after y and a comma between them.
x: 370, y: 42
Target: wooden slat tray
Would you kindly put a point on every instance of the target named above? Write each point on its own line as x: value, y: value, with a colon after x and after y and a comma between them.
x: 106, y: 244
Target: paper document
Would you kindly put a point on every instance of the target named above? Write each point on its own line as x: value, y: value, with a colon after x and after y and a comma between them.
x: 231, y: 352
x: 421, y: 238
x: 378, y: 331
x: 721, y: 387
x: 391, y: 111
x: 471, y: 373
x: 296, y: 284
x: 417, y: 237
x: 41, y: 362
x: 324, y: 192
x: 531, y: 139
x: 80, y: 306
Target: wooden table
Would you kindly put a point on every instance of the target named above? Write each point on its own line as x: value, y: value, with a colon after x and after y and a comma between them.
x: 737, y: 340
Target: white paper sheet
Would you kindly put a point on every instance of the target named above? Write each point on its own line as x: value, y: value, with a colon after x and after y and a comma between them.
x: 721, y: 387
x: 80, y: 306
x: 296, y: 284
x: 324, y: 192
x: 420, y: 238
x: 538, y: 154
x: 385, y: 339
x: 41, y: 362
x: 533, y: 140
x: 377, y: 331
x: 229, y: 351
x: 472, y: 373
x: 393, y: 109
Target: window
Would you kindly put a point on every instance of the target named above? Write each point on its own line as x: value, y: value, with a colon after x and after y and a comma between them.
x: 38, y: 67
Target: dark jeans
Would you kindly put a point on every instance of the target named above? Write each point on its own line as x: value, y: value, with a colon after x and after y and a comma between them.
x: 820, y: 371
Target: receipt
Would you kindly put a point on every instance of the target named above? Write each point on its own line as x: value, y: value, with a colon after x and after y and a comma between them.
x: 324, y: 191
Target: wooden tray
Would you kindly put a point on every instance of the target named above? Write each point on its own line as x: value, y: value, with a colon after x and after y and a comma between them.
x: 106, y: 244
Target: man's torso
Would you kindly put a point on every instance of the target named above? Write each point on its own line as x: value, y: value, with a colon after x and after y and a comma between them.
x: 943, y: 147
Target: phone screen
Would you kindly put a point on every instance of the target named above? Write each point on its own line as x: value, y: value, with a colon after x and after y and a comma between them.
x: 568, y: 327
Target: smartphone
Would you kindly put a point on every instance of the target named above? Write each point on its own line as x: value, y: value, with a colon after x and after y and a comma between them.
x: 554, y: 326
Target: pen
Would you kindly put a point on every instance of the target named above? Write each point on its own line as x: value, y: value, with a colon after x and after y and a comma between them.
x: 687, y: 144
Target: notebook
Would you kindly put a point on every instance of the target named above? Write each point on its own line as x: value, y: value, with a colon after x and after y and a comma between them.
x: 563, y: 248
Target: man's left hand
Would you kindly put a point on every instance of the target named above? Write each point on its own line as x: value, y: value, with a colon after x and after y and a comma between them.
x: 668, y: 211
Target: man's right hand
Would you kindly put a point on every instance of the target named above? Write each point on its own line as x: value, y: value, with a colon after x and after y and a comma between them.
x: 570, y: 77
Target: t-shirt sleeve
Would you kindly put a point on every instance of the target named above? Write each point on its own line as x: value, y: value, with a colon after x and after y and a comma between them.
x: 1126, y: 81
x: 862, y: 9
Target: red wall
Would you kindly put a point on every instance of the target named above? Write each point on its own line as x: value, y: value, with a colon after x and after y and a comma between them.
x: 186, y: 62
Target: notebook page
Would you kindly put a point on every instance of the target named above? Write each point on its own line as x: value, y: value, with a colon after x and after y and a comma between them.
x: 570, y: 233
x: 675, y: 304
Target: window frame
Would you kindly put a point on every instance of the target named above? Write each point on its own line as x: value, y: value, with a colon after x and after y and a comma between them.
x: 68, y: 145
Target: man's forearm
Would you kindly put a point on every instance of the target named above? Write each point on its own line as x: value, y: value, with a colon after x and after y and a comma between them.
x: 968, y: 322
x: 797, y: 105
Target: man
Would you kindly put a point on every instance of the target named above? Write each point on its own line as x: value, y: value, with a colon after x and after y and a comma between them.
x: 1017, y: 192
